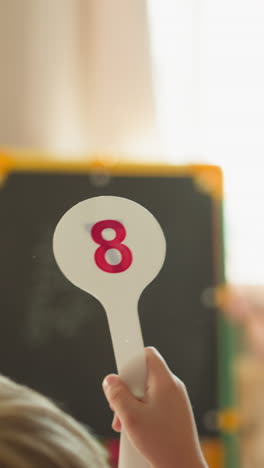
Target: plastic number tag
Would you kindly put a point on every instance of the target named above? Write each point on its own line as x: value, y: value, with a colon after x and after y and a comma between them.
x: 114, y: 259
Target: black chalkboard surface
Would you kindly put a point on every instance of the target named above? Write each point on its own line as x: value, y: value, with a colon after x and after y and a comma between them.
x: 55, y: 338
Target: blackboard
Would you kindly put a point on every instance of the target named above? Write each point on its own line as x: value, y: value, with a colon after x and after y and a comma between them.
x: 55, y: 338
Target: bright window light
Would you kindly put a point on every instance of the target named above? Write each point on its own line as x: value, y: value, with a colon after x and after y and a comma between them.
x: 209, y: 75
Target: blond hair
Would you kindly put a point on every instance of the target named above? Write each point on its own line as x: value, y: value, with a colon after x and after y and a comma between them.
x: 34, y: 433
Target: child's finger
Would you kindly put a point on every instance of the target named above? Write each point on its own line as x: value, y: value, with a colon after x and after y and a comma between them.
x: 116, y: 424
x: 158, y: 371
x: 119, y: 396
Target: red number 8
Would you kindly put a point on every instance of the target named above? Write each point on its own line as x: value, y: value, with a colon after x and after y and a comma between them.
x: 116, y: 243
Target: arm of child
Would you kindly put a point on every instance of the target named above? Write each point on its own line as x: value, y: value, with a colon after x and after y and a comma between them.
x: 161, y: 426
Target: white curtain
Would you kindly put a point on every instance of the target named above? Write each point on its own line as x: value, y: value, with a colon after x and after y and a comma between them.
x: 76, y: 76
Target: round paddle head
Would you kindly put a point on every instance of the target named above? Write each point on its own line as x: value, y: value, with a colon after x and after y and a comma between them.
x: 109, y: 246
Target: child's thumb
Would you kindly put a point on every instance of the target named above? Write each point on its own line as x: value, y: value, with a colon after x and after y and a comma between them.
x: 119, y: 397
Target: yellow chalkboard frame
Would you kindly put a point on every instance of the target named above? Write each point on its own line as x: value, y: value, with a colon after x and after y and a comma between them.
x: 208, y: 179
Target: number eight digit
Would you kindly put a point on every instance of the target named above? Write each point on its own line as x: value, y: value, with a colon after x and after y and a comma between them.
x: 105, y: 245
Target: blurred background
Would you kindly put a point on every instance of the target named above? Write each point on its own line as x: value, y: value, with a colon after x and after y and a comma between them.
x: 177, y: 80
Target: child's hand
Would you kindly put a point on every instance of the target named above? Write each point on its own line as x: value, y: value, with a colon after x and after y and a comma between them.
x: 161, y: 426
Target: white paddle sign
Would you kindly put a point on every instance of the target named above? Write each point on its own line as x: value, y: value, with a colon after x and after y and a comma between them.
x: 113, y: 248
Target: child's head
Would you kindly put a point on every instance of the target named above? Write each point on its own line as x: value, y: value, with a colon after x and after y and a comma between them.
x: 35, y: 433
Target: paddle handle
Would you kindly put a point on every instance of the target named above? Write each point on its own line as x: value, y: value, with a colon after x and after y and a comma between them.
x: 128, y: 456
x: 131, y: 364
